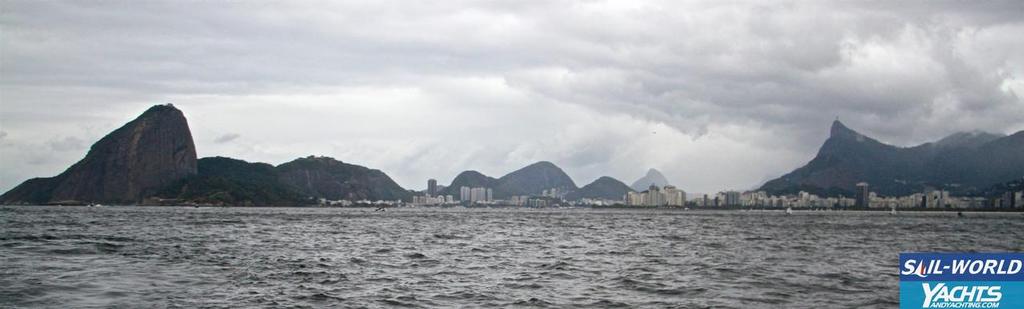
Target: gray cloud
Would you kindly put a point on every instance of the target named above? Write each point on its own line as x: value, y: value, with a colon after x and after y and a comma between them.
x: 737, y: 92
x: 226, y: 138
x: 68, y: 143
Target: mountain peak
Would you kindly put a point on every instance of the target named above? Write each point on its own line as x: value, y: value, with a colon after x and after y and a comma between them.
x: 533, y: 179
x: 327, y: 177
x: 603, y: 188
x: 967, y: 159
x: 125, y: 166
x: 541, y: 164
x: 839, y: 129
x: 653, y: 177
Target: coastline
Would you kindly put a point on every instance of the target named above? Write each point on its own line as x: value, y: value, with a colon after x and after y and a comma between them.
x: 621, y: 207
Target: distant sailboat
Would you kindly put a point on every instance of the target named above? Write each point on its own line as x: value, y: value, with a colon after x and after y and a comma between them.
x: 892, y: 211
x: 789, y: 210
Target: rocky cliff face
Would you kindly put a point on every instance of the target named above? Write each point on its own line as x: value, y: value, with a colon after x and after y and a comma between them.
x: 127, y: 165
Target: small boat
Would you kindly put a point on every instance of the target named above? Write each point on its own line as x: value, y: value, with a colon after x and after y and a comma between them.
x: 789, y: 210
x: 892, y: 211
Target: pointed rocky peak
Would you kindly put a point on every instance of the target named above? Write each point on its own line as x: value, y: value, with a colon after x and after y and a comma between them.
x: 654, y: 173
x: 653, y: 177
x: 162, y: 110
x: 840, y: 130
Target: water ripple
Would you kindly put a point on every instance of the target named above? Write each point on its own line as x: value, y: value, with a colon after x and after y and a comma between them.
x: 293, y: 257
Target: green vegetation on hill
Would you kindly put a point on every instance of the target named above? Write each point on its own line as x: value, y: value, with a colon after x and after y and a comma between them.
x: 226, y: 181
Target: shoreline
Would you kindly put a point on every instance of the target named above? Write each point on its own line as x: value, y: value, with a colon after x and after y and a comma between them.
x: 674, y: 208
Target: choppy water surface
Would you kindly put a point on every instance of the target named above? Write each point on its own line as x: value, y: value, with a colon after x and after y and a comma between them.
x: 274, y: 257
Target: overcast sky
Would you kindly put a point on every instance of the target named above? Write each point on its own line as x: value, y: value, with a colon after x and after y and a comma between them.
x: 717, y: 95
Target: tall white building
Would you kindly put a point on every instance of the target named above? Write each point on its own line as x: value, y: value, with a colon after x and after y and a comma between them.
x: 674, y: 196
x: 654, y: 196
x: 474, y: 195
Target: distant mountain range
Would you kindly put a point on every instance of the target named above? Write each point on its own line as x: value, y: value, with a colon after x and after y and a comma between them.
x: 603, y: 188
x: 153, y: 158
x: 530, y: 180
x: 963, y: 163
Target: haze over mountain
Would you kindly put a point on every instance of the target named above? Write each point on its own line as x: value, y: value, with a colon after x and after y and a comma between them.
x: 962, y: 162
x: 653, y: 177
x: 532, y: 179
x: 129, y: 164
x: 602, y: 188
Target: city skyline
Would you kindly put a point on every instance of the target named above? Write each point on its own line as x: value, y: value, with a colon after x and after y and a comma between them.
x: 715, y: 97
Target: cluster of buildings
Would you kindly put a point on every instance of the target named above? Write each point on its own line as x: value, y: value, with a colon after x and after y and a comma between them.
x: 654, y: 196
x: 432, y: 200
x: 863, y: 198
x: 476, y: 195
x: 347, y: 203
x: 670, y: 196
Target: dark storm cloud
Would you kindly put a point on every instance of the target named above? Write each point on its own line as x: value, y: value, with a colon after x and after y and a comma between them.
x: 593, y: 79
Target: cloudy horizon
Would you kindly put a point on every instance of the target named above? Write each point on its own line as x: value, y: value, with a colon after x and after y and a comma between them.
x: 715, y: 95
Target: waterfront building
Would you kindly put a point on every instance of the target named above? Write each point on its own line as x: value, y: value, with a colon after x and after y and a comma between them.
x: 432, y: 187
x: 674, y: 196
x: 654, y: 196
x: 863, y: 196
x: 732, y: 198
x: 476, y: 195
x: 428, y: 200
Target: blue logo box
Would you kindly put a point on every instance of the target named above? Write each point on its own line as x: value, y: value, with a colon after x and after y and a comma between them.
x: 961, y: 280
